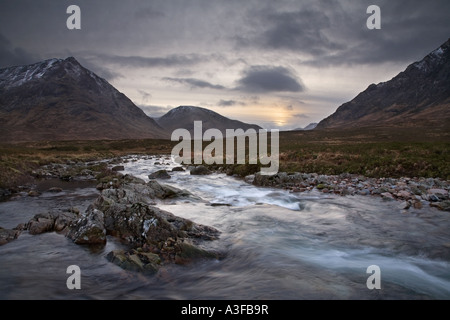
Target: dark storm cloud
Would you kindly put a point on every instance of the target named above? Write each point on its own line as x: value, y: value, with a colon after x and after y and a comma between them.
x: 150, y: 62
x: 230, y: 103
x: 269, y: 79
x: 334, y: 33
x: 195, y: 83
x: 298, y: 30
x: 409, y: 30
x: 13, y: 56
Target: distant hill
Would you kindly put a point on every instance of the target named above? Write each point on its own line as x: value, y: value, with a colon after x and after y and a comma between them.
x: 184, y: 117
x: 61, y: 100
x: 310, y: 126
x: 418, y: 96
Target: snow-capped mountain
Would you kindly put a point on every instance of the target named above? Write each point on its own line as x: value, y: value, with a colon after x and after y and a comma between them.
x: 184, y: 117
x: 418, y: 96
x: 59, y: 99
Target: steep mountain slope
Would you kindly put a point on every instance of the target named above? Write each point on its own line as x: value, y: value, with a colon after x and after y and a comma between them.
x: 418, y: 96
x: 184, y: 117
x: 61, y: 100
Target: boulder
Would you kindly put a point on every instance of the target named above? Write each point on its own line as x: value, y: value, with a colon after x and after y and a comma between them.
x: 89, y: 229
x: 7, y: 235
x: 180, y: 169
x: 387, y: 196
x: 41, y: 223
x: 64, y: 220
x: 160, y: 174
x: 200, y: 171
x: 118, y: 168
x: 55, y: 190
x: 162, y: 191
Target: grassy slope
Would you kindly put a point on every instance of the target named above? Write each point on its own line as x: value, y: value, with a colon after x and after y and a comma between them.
x: 374, y: 152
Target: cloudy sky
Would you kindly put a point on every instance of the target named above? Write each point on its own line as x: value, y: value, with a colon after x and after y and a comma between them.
x: 280, y: 64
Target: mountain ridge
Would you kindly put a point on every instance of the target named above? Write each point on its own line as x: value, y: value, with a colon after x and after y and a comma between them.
x: 417, y: 96
x: 184, y: 117
x: 59, y: 99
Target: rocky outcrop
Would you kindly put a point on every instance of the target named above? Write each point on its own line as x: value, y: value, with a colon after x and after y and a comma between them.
x: 156, y: 236
x: 89, y: 229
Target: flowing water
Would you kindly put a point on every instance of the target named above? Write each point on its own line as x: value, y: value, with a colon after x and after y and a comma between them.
x: 278, y: 245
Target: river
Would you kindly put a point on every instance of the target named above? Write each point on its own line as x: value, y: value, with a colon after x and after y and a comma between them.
x: 279, y: 245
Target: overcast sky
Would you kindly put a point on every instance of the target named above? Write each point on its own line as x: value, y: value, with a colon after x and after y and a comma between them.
x: 280, y: 64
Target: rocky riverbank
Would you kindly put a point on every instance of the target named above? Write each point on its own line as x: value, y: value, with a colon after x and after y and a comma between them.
x: 411, y: 192
x: 125, y: 210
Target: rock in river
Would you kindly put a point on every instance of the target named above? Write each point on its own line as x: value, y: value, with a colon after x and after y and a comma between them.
x: 200, y: 171
x: 90, y: 229
x: 41, y: 223
x: 160, y: 174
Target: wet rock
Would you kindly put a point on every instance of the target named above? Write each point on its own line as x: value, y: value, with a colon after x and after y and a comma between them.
x: 433, y: 198
x: 129, y: 179
x: 41, y: 223
x: 404, y: 194
x: 405, y: 205
x: 444, y: 205
x: 187, y: 253
x: 179, y: 169
x: 55, y: 190
x: 138, y: 223
x: 364, y: 192
x: 162, y: 191
x: 438, y: 191
x: 387, y: 196
x: 118, y: 168
x: 160, y: 174
x: 200, y: 171
x: 7, y: 235
x: 135, y: 260
x: 64, y: 220
x: 89, y: 229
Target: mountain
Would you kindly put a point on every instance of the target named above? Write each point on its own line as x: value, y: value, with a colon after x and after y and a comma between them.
x: 310, y: 126
x: 61, y: 100
x: 184, y: 117
x: 418, y: 96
